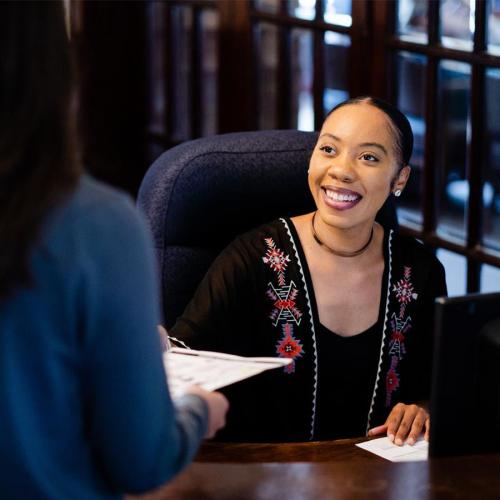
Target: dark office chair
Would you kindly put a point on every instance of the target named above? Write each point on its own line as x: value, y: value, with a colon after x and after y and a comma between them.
x: 199, y: 195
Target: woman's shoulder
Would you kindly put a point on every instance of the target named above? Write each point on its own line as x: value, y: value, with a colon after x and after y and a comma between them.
x: 254, y: 245
x: 94, y: 212
x: 274, y: 233
x: 93, y: 196
x: 412, y: 251
x: 96, y: 203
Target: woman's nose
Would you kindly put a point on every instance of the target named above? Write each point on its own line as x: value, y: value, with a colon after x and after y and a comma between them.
x: 342, y: 170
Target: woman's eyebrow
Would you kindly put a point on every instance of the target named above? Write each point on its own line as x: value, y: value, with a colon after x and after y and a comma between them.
x: 373, y: 145
x: 331, y: 136
x: 362, y: 145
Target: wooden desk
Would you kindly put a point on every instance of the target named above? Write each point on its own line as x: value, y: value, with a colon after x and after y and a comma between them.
x: 327, y: 470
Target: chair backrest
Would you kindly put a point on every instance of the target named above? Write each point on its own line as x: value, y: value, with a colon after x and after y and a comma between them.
x: 201, y: 194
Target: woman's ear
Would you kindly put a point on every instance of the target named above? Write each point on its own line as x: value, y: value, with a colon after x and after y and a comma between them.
x: 401, y: 179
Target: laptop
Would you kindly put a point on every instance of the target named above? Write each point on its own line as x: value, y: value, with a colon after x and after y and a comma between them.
x: 465, y: 396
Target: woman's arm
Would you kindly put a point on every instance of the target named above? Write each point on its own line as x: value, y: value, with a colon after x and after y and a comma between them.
x: 137, y: 434
x: 217, y: 307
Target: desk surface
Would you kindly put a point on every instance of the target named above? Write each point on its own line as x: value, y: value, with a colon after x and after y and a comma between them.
x: 324, y: 470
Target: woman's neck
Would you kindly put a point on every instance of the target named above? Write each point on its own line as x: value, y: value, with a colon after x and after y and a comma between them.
x: 342, y: 242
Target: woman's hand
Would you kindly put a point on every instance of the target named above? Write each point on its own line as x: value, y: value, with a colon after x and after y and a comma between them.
x: 217, y: 409
x: 404, y: 423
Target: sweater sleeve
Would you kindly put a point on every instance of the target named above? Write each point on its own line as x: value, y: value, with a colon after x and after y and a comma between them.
x: 214, y: 315
x: 140, y: 438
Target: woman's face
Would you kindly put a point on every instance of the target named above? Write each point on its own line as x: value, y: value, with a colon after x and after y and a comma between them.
x: 354, y: 166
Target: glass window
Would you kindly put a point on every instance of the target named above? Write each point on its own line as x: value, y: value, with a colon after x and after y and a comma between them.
x: 451, y: 147
x: 336, y: 51
x: 490, y: 278
x: 209, y: 70
x: 303, y: 9
x: 270, y: 6
x: 455, y: 268
x: 412, y: 20
x: 457, y: 23
x: 494, y: 27
x: 157, y: 98
x: 181, y: 26
x: 267, y: 74
x: 491, y: 172
x: 338, y: 12
x: 411, y: 80
x: 302, y: 107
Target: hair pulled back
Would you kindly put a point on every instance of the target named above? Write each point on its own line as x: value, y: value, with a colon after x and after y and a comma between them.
x: 403, y: 135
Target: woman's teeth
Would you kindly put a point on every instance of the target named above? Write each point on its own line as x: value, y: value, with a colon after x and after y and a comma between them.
x: 333, y: 195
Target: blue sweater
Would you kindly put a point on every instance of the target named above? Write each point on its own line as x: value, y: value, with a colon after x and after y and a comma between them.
x: 84, y: 407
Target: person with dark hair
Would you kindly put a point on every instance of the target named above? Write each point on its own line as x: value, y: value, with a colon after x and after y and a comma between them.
x: 349, y: 301
x: 85, y: 410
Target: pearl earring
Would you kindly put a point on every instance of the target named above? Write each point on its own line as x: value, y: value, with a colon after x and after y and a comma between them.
x: 397, y: 192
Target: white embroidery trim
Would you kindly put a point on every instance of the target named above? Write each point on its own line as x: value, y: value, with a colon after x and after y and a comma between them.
x: 313, y: 418
x: 377, y: 378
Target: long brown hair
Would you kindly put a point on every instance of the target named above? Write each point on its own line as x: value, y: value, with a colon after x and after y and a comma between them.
x: 38, y: 163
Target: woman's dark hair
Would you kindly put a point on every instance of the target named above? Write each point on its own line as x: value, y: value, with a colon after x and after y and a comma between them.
x: 400, y: 124
x: 38, y: 166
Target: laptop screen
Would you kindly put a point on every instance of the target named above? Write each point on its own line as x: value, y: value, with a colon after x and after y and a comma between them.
x: 465, y: 382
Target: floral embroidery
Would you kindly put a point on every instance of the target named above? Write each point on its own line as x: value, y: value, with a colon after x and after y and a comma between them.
x: 284, y: 299
x: 392, y: 380
x: 289, y: 347
x: 404, y: 290
x: 400, y: 325
x: 276, y: 259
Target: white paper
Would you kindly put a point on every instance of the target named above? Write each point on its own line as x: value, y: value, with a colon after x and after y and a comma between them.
x: 388, y: 450
x: 212, y: 370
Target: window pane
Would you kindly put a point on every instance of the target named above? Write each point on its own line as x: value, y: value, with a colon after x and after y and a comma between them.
x: 338, y: 12
x: 491, y: 189
x: 303, y: 9
x: 412, y: 20
x: 157, y: 98
x: 411, y: 80
x: 302, y: 111
x: 336, y: 74
x: 451, y: 150
x: 455, y: 267
x: 181, y: 25
x: 267, y: 74
x: 457, y: 23
x: 271, y: 6
x: 209, y: 70
x: 490, y: 278
x: 494, y: 27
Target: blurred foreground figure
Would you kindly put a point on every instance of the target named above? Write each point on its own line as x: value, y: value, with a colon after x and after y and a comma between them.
x: 85, y: 411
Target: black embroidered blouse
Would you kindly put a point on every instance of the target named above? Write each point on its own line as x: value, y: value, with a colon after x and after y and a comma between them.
x: 347, y: 369
x: 257, y: 299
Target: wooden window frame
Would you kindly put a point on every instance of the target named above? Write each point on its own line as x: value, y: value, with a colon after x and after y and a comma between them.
x: 473, y: 250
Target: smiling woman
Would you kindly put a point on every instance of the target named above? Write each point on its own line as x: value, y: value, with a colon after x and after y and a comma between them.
x: 349, y: 301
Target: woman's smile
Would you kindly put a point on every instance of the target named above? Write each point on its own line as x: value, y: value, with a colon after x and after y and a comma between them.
x: 339, y: 198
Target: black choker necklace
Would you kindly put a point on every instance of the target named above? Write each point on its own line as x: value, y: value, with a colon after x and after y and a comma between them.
x: 338, y: 252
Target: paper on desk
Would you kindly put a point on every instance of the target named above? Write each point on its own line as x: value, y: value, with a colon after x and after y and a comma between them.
x: 406, y: 453
x: 212, y: 370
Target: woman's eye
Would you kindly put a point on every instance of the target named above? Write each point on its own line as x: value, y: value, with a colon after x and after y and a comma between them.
x: 369, y: 157
x: 327, y: 149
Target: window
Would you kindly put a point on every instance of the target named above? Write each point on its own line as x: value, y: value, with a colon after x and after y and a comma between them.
x: 444, y: 76
x: 308, y: 48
